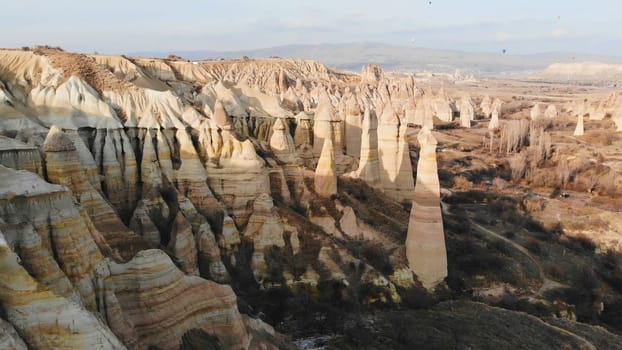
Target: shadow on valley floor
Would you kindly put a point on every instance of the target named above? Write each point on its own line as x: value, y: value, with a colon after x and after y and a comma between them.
x: 498, y: 255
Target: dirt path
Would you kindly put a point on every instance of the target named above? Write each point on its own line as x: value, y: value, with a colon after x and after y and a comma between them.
x: 547, y: 283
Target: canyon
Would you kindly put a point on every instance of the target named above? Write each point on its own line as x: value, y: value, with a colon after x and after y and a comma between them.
x: 151, y: 203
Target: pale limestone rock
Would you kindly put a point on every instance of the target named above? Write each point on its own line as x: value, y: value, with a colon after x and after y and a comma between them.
x: 183, y: 245
x: 44, y: 319
x: 64, y: 167
x: 325, y: 126
x: 578, y: 131
x: 369, y: 165
x: 86, y: 159
x: 551, y: 112
x: 142, y: 224
x: 18, y: 155
x: 281, y: 143
x: 395, y: 168
x: 537, y: 111
x: 353, y: 125
x: 242, y: 176
x: 209, y: 260
x: 265, y: 230
x: 486, y: 106
x: 494, y: 120
x: 304, y: 132
x: 9, y: 339
x: 163, y: 304
x: 371, y: 75
x: 291, y: 101
x: 325, y: 175
x: 220, y: 115
x: 497, y: 105
x: 71, y: 105
x: 467, y: 112
x: 441, y: 106
x: 425, y: 242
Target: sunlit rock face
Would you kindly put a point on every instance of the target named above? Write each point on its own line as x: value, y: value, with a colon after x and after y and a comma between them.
x: 425, y: 242
x: 134, y: 190
x: 325, y: 179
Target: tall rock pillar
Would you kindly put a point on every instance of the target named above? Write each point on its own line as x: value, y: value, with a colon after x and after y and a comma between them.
x: 425, y: 242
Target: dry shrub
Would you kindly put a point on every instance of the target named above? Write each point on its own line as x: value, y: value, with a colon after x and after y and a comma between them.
x: 514, y: 135
x: 462, y: 183
x: 518, y: 165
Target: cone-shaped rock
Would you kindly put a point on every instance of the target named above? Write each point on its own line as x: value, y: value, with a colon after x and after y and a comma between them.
x: 494, y: 120
x: 551, y: 112
x: 322, y: 124
x: 220, y: 115
x: 281, y: 142
x: 578, y: 131
x: 466, y: 112
x: 369, y: 166
x: 486, y: 106
x: 353, y: 127
x: 425, y: 242
x: 325, y: 175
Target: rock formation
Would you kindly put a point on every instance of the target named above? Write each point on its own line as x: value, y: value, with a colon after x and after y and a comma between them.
x: 353, y: 122
x: 467, y: 112
x: 325, y: 179
x: 578, y: 131
x: 371, y: 75
x: 369, y: 165
x: 425, y: 242
x: 494, y: 120
x: 486, y: 106
x: 281, y: 143
x: 537, y: 111
x: 395, y: 167
x: 551, y: 111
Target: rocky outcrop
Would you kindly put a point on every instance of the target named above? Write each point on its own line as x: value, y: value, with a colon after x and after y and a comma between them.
x: 371, y: 75
x: 550, y: 112
x: 578, y: 131
x: 353, y: 120
x: 326, y: 125
x: 64, y: 167
x: 18, y: 155
x: 494, y: 120
x: 163, y: 304
x: 265, y: 230
x: 486, y: 106
x: 537, y: 111
x: 467, y: 112
x: 395, y: 168
x: 44, y: 319
x: 325, y: 180
x: 9, y: 339
x: 369, y: 164
x: 281, y: 143
x: 425, y: 242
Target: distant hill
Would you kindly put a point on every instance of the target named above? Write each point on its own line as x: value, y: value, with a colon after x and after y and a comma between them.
x: 352, y: 57
x: 581, y: 72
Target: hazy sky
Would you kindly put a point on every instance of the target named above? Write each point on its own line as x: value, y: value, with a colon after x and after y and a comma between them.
x: 115, y: 26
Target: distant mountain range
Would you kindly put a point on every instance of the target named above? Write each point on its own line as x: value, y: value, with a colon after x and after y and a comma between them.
x: 352, y: 57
